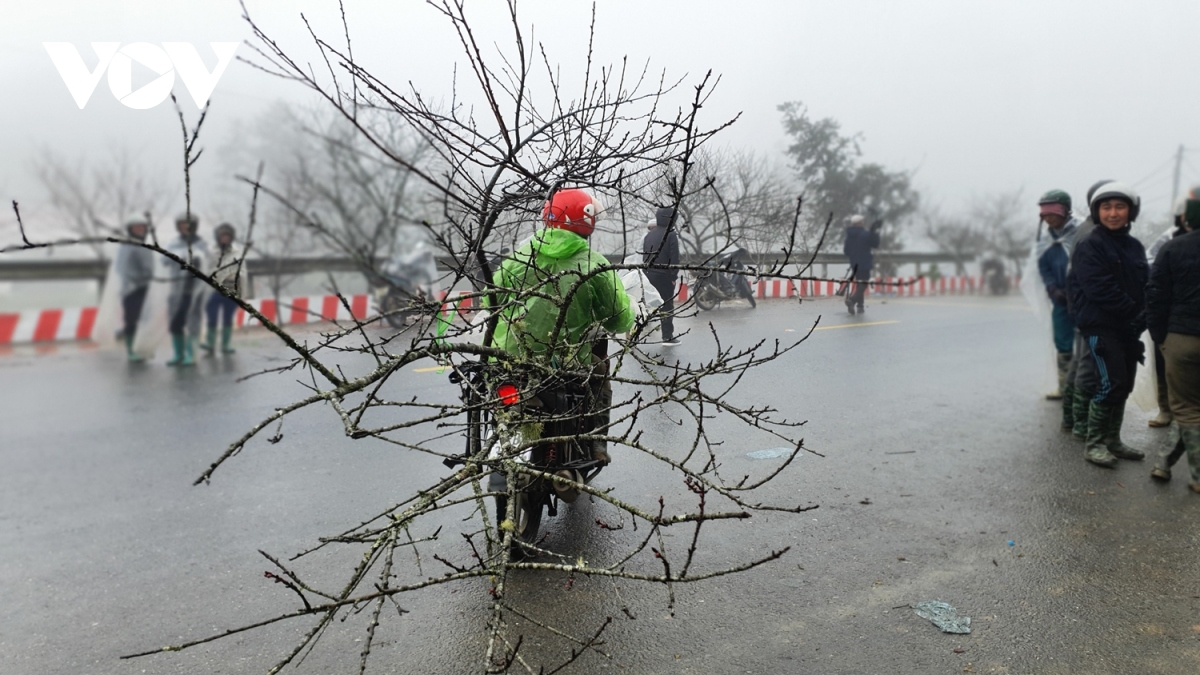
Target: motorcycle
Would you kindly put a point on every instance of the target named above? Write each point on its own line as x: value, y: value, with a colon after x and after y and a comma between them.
x: 723, y: 281
x: 994, y: 279
x: 404, y: 289
x: 511, y: 413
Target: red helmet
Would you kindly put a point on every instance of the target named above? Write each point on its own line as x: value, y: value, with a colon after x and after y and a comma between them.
x: 573, y: 210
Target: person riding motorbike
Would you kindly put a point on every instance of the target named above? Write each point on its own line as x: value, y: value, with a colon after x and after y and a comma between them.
x: 554, y: 268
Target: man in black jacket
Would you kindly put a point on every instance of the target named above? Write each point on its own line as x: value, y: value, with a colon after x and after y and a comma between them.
x: 1108, y: 298
x: 857, y: 247
x: 661, y: 247
x: 1173, y: 317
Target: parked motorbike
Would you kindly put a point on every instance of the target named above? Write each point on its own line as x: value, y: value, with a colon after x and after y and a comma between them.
x: 507, y: 411
x: 404, y: 289
x: 994, y: 278
x: 725, y: 280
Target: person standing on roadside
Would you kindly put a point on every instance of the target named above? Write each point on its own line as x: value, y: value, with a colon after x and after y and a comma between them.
x: 1173, y: 317
x: 1075, y: 408
x: 1054, y: 248
x: 1109, y: 300
x: 135, y: 269
x: 857, y: 247
x: 184, y: 300
x: 661, y: 248
x: 228, y: 267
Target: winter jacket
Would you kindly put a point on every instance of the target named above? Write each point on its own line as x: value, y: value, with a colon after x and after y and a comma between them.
x: 1173, y: 294
x: 552, y: 263
x: 1054, y: 256
x: 857, y: 247
x: 135, y: 268
x: 1108, y: 284
x: 228, y: 267
x: 661, y: 247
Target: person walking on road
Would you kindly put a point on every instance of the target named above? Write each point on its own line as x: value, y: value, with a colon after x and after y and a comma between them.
x: 1054, y: 248
x: 228, y: 269
x: 1075, y: 408
x: 661, y: 247
x: 135, y: 269
x: 858, y: 246
x: 1173, y: 317
x: 1109, y: 299
x: 184, y: 308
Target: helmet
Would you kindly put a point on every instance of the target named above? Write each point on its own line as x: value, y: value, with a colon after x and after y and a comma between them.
x: 574, y: 210
x: 224, y: 228
x: 1115, y: 190
x: 1095, y: 186
x: 136, y: 223
x: 1056, y: 197
x: 192, y: 221
x: 855, y: 220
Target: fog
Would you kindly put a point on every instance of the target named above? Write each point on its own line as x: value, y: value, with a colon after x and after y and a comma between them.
x: 973, y: 97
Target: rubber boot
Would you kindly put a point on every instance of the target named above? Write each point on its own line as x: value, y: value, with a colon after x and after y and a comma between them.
x: 179, y: 349
x: 189, y: 354
x: 1079, y: 411
x: 1167, y: 459
x: 1113, y: 438
x: 1096, y: 450
x: 1068, y: 408
x: 129, y: 353
x: 1164, y: 417
x: 210, y: 341
x: 1063, y: 362
x: 1190, y: 436
x: 226, y: 336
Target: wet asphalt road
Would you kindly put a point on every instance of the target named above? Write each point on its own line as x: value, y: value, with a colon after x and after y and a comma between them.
x: 938, y: 452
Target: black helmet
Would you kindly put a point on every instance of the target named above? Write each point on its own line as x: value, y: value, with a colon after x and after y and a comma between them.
x: 192, y: 221
x: 224, y: 228
x: 1115, y: 190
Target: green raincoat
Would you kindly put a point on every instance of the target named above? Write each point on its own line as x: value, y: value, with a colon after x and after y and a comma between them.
x: 552, y: 264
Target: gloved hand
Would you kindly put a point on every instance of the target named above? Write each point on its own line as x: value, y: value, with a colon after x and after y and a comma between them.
x: 1058, y: 296
x: 1138, y: 323
x: 1139, y: 350
x: 877, y: 225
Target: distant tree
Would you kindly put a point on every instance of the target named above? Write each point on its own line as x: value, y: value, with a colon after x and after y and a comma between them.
x: 1000, y: 217
x: 960, y: 236
x: 836, y: 182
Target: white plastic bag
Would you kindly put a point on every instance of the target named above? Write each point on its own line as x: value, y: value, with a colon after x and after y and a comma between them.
x: 1145, y: 385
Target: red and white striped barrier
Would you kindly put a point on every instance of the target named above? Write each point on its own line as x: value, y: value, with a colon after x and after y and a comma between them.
x: 307, y: 309
x: 47, y: 325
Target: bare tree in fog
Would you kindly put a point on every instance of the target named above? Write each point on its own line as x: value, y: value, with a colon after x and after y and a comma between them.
x: 960, y: 236
x: 95, y: 198
x: 619, y: 131
x: 1004, y: 218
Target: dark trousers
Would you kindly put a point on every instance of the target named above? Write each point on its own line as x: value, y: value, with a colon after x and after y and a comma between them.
x: 666, y: 288
x: 131, y: 306
x: 1110, y: 371
x: 858, y: 288
x: 179, y: 320
x: 222, y: 308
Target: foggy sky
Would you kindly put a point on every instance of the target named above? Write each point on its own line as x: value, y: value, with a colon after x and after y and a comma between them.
x: 976, y: 97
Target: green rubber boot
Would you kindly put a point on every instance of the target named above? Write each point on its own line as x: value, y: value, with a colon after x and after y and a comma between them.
x: 129, y: 353
x: 189, y: 354
x: 1190, y: 436
x: 179, y: 349
x: 210, y: 341
x: 226, y: 336
x: 1079, y: 411
x: 1068, y: 408
x: 1096, y: 450
x: 1113, y: 438
x: 1167, y: 458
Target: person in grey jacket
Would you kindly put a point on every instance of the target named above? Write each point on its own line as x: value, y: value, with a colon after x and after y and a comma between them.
x: 661, y: 247
x: 135, y: 269
x: 185, y: 309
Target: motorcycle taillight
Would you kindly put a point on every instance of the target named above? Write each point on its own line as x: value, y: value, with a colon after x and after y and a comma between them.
x: 508, y: 394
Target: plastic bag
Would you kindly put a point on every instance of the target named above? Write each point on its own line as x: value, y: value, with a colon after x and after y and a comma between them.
x: 1035, y: 294
x: 1145, y: 384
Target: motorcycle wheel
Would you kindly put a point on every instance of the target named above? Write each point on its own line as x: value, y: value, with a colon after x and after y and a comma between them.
x: 705, y: 298
x: 745, y: 290
x: 528, y: 522
x: 394, y: 310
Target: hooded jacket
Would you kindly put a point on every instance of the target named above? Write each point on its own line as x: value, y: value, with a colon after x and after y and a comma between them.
x: 1173, y: 294
x: 553, y: 263
x: 1108, y: 284
x: 857, y: 247
x: 661, y: 247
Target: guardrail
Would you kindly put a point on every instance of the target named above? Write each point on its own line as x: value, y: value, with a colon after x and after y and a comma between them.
x: 96, y: 269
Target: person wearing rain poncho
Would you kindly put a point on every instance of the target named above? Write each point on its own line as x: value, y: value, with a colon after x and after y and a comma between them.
x: 185, y: 308
x: 1108, y: 292
x: 553, y: 263
x: 228, y: 269
x: 134, y: 268
x: 1054, y: 247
